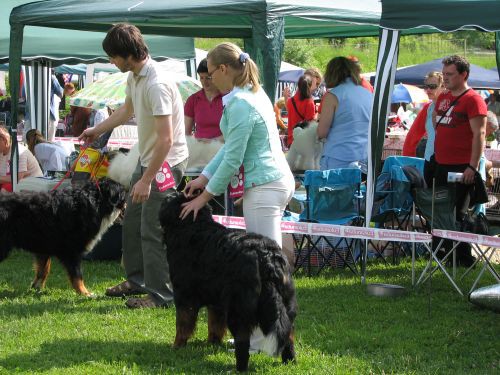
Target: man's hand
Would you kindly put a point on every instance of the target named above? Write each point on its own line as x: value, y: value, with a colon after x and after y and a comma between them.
x: 89, y: 135
x: 140, y: 192
x: 468, y: 176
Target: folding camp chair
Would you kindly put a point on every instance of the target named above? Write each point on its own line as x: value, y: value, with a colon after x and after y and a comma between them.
x: 438, y: 209
x: 393, y: 201
x: 332, y: 197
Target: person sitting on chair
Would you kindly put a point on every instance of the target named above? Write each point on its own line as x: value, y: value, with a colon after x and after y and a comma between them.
x: 27, y: 167
x: 51, y: 156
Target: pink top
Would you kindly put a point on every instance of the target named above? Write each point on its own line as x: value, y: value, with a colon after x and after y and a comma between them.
x: 206, y: 114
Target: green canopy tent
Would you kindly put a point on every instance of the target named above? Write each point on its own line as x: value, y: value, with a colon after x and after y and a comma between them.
x: 261, y: 23
x: 43, y: 48
x: 73, y: 47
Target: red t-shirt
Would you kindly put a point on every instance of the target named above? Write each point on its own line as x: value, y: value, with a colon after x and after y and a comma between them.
x: 307, y: 111
x: 416, y: 132
x: 453, y: 144
x: 206, y: 114
x: 367, y: 85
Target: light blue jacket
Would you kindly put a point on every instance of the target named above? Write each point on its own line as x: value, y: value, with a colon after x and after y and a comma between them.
x: 251, y: 137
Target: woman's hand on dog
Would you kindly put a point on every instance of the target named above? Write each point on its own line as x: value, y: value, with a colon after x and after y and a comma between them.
x: 195, y: 205
x: 194, y: 187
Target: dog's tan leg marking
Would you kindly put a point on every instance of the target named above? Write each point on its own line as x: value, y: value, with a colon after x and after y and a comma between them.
x: 216, y: 325
x: 288, y: 353
x: 42, y: 270
x: 185, y: 322
x: 79, y: 287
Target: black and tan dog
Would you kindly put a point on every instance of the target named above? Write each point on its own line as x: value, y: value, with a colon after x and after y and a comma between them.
x: 63, y: 223
x: 243, y: 280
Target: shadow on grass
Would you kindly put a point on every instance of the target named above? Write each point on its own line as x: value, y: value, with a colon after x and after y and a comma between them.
x: 146, y: 356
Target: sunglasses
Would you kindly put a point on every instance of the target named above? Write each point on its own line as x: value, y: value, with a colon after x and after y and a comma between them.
x: 431, y: 86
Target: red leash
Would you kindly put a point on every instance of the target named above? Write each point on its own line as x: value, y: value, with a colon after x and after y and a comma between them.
x: 82, y: 151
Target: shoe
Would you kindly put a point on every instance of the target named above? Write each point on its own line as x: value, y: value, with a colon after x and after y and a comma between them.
x: 143, y: 303
x: 123, y: 289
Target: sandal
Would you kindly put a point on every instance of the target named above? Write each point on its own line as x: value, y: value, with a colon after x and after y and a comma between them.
x: 142, y: 302
x: 123, y: 289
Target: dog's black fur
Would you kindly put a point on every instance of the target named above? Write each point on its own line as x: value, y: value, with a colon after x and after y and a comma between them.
x: 62, y: 223
x: 243, y: 279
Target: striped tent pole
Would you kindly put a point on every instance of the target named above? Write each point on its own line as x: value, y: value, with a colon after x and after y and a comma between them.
x: 38, y: 80
x: 38, y: 92
x: 387, y: 62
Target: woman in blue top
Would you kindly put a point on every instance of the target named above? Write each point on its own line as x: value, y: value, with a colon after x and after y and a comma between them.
x: 345, y: 116
x: 248, y: 125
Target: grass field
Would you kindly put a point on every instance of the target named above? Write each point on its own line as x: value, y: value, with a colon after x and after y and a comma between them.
x: 339, y: 329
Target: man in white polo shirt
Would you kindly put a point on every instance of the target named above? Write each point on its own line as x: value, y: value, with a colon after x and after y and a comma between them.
x: 156, y: 102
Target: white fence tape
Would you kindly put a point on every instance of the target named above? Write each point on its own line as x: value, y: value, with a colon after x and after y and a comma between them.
x: 334, y: 230
x: 468, y: 237
x: 112, y: 142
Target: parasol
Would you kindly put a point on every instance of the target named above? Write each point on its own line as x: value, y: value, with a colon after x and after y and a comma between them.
x: 404, y: 93
x: 110, y: 91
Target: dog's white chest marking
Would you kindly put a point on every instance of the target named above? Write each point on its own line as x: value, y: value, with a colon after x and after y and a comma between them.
x: 105, y: 224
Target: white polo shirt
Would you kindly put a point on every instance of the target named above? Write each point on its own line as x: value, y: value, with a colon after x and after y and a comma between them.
x: 154, y: 93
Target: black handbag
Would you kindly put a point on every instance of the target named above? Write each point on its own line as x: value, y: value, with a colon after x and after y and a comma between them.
x: 478, y: 193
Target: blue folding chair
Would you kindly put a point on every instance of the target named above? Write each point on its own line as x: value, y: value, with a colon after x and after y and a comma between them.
x: 332, y: 197
x: 393, y: 203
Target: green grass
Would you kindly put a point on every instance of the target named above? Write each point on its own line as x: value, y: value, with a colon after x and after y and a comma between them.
x: 339, y: 329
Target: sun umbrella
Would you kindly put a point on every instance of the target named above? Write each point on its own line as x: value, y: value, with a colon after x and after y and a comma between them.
x: 110, y: 91
x: 408, y: 94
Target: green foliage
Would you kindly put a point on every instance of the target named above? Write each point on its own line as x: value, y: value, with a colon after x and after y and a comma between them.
x: 208, y: 43
x: 299, y: 52
x: 477, y: 46
x: 339, y: 328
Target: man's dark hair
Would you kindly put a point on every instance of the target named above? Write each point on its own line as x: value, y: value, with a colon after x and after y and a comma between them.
x: 460, y: 63
x: 202, y: 67
x: 125, y: 40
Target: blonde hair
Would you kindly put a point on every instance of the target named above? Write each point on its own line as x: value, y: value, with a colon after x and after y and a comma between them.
x: 280, y: 103
x: 230, y: 54
x: 436, y: 74
x: 340, y: 68
x: 4, y: 133
x: 315, y: 73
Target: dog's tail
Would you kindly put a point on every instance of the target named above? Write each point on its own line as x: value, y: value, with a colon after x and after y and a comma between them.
x: 277, y: 305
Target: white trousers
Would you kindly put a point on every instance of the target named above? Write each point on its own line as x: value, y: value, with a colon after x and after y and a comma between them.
x: 263, y: 206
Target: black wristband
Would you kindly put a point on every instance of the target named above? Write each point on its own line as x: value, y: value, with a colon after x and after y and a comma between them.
x: 471, y: 167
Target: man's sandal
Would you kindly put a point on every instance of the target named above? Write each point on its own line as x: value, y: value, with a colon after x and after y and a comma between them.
x: 123, y: 289
x: 142, y: 303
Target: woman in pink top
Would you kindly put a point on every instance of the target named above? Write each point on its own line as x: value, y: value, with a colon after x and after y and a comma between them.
x: 203, y: 109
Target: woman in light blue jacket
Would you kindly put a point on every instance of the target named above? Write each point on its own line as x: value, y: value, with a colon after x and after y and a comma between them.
x: 251, y: 137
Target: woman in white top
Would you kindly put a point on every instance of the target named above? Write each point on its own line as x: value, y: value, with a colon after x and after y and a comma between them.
x: 51, y: 156
x: 27, y: 164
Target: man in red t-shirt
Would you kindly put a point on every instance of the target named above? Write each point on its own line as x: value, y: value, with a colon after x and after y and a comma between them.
x: 460, y: 121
